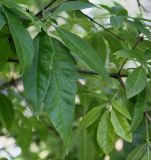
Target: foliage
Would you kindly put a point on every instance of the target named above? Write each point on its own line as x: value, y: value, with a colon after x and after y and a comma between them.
x: 72, y: 86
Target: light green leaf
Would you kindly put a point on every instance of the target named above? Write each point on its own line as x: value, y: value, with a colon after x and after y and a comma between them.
x: 80, y: 48
x: 23, y: 42
x: 138, y: 111
x: 6, y: 111
x: 73, y: 5
x: 120, y: 107
x: 121, y: 125
x: 90, y: 117
x: 136, y: 82
x: 36, y: 80
x: 2, y: 19
x: 105, y: 134
x: 60, y: 98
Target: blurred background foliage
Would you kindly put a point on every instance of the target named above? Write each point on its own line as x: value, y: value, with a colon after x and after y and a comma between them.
x: 32, y: 138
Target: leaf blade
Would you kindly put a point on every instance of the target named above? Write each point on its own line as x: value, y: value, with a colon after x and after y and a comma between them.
x: 60, y: 98
x: 80, y: 48
x: 25, y: 47
x: 105, y: 134
x: 72, y: 5
x: 36, y: 79
x: 134, y: 80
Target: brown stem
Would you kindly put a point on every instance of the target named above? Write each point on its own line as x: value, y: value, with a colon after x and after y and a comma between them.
x: 39, y: 14
x: 140, y: 39
x: 107, y: 30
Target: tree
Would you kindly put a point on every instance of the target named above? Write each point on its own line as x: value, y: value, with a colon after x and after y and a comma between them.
x: 71, y: 86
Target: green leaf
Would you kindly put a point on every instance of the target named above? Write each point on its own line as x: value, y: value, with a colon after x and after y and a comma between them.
x: 60, y: 98
x: 120, y: 107
x: 95, y: 40
x: 147, y: 154
x: 121, y: 125
x: 23, y: 42
x: 4, y: 52
x: 90, y: 117
x: 2, y: 19
x: 147, y: 55
x: 23, y: 142
x: 86, y: 148
x: 6, y: 111
x: 137, y: 153
x: 119, y: 11
x: 136, y: 82
x: 36, y: 80
x: 106, y: 8
x: 73, y: 5
x: 105, y: 134
x: 129, y: 54
x: 140, y: 27
x: 19, y: 11
x: 80, y: 48
x: 138, y: 111
x: 117, y: 21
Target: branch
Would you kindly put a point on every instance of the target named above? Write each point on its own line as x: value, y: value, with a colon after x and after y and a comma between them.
x: 140, y: 39
x: 107, y: 30
x: 12, y: 82
x: 117, y: 76
x: 147, y: 116
x: 140, y: 6
x: 39, y: 14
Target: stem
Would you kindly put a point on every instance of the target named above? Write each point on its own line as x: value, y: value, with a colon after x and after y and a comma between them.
x: 140, y: 39
x: 107, y: 30
x: 40, y: 13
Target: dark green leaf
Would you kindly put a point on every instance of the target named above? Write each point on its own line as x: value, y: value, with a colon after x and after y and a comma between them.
x: 117, y: 21
x: 37, y: 78
x: 140, y: 27
x: 138, y: 111
x: 2, y: 19
x: 6, y: 111
x: 73, y: 5
x: 119, y: 11
x: 4, y: 52
x: 80, y: 48
x: 98, y: 44
x: 105, y: 134
x: 106, y: 8
x: 60, y: 98
x: 23, y: 42
x: 136, y: 82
